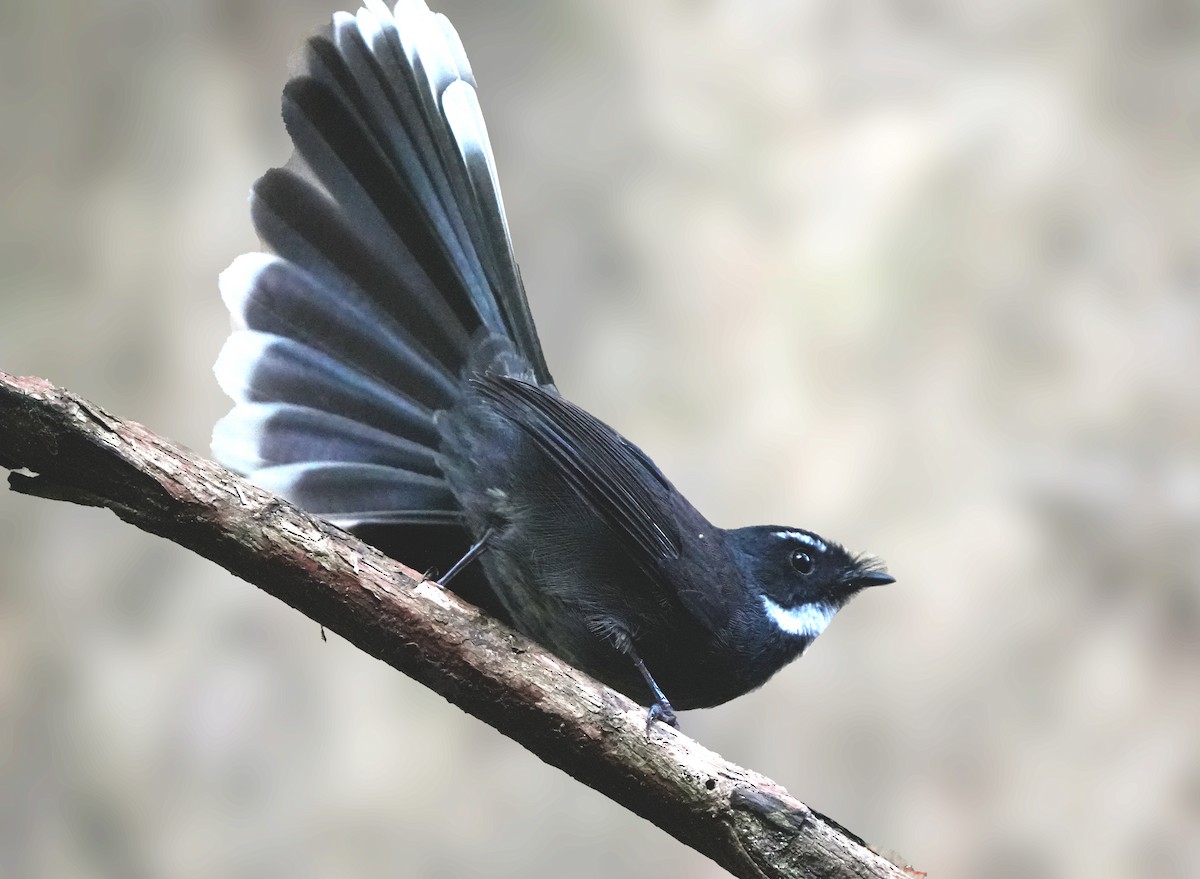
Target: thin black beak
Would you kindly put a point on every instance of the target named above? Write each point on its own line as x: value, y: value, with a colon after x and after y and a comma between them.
x: 874, y: 578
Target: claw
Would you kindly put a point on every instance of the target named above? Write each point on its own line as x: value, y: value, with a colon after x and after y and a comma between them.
x: 663, y: 711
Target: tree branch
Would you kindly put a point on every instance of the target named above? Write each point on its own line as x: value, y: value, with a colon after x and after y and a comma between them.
x: 77, y: 452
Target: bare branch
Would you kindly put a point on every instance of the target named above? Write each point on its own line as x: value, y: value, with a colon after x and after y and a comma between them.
x: 751, y: 826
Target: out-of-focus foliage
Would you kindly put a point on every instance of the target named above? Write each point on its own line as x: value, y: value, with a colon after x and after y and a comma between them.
x: 919, y: 275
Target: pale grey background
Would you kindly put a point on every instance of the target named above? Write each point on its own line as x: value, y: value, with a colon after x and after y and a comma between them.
x: 919, y: 275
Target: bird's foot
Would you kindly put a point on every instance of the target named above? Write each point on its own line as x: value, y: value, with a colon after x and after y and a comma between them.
x: 661, y: 710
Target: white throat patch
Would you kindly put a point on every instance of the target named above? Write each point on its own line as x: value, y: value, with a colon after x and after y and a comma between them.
x: 807, y: 620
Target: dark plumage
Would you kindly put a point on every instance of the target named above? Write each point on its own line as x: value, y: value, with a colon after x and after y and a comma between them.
x: 387, y: 375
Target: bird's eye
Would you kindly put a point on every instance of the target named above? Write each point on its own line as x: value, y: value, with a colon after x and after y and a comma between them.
x: 802, y: 562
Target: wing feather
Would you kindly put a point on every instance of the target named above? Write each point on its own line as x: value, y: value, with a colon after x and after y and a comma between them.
x: 613, y: 477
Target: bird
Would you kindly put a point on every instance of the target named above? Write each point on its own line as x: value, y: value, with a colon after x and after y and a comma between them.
x: 387, y: 376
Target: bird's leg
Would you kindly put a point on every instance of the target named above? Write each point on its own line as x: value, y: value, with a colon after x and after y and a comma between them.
x: 661, y: 709
x: 471, y: 554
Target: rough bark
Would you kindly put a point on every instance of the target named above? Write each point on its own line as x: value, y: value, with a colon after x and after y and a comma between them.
x: 64, y: 448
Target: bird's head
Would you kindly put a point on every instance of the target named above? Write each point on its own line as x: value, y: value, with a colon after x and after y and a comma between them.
x: 802, y: 580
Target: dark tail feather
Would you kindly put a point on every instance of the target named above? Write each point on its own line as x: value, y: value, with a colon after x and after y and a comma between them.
x: 390, y: 259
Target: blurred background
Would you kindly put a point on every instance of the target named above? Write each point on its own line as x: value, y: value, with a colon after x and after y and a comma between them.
x: 922, y: 276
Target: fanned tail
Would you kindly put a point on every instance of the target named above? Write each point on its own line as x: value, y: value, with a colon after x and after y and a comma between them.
x: 388, y: 260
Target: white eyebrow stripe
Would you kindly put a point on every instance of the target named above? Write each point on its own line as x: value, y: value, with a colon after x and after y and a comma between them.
x: 815, y: 543
x: 808, y: 620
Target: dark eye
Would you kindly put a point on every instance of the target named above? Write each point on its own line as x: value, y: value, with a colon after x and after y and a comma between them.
x: 802, y: 561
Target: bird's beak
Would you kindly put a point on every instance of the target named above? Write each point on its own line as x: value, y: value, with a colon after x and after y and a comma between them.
x: 872, y: 578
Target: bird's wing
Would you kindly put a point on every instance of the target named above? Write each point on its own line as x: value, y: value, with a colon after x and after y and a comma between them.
x: 615, y: 479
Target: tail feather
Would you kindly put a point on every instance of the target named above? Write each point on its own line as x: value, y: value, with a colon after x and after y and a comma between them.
x: 302, y: 225
x: 390, y: 260
x: 412, y: 139
x: 270, y: 295
x: 381, y: 208
x: 258, y: 435
x: 258, y: 367
x: 350, y: 494
x: 342, y: 117
x: 460, y: 104
x: 457, y: 51
x: 426, y: 63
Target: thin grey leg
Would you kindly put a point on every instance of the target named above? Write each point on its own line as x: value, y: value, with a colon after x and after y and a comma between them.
x: 473, y: 553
